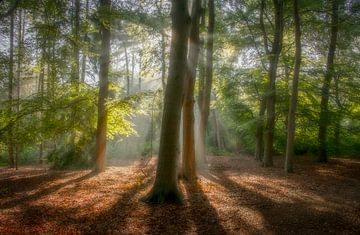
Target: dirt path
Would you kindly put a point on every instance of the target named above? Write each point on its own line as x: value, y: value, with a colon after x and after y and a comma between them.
x: 234, y: 196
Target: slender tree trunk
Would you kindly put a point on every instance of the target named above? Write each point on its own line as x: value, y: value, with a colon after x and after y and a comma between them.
x: 10, y: 92
x: 127, y: 69
x: 132, y: 69
x: 165, y: 187
x: 76, y: 29
x: 83, y: 63
x: 294, y: 96
x: 139, y: 78
x: 218, y: 133
x: 259, y: 145
x: 103, y: 90
x: 271, y: 91
x: 338, y: 118
x: 41, y: 91
x: 41, y: 151
x: 20, y: 42
x: 324, y: 110
x: 188, y: 171
x: 205, y: 98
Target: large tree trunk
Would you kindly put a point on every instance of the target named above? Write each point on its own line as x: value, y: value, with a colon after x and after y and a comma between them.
x: 294, y: 95
x: 271, y: 91
x: 188, y: 170
x: 259, y: 144
x: 165, y: 187
x: 204, y: 99
x: 324, y: 112
x: 103, y: 90
x: 10, y: 91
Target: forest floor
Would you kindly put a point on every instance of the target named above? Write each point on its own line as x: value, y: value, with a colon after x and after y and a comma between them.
x: 234, y: 196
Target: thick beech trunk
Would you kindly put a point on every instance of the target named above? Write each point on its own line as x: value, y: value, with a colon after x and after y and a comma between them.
x: 188, y: 170
x: 324, y: 110
x: 204, y: 99
x: 293, y: 99
x: 165, y: 187
x: 271, y: 90
x: 103, y: 90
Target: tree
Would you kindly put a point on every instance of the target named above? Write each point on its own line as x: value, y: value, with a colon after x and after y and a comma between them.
x: 273, y: 56
x: 103, y: 86
x: 10, y: 91
x: 188, y: 170
x: 294, y: 95
x: 76, y: 32
x: 20, y: 42
x: 165, y: 186
x: 11, y: 10
x: 204, y: 98
x: 86, y: 39
x: 259, y: 144
x: 329, y: 73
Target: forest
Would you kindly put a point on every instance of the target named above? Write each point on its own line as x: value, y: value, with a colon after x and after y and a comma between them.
x: 179, y: 117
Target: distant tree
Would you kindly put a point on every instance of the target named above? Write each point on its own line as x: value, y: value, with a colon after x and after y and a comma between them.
x: 259, y: 144
x: 103, y: 86
x: 165, y: 187
x: 10, y: 92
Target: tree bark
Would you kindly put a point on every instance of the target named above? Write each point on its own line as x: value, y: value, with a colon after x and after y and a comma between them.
x: 324, y: 110
x: 205, y: 98
x: 294, y: 96
x: 165, y: 187
x: 163, y: 61
x: 188, y: 170
x: 271, y: 91
x: 100, y: 159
